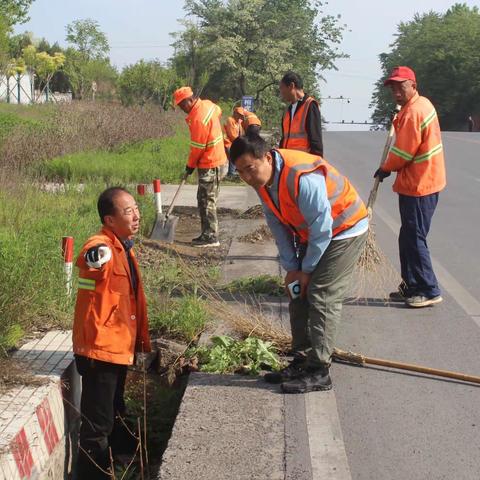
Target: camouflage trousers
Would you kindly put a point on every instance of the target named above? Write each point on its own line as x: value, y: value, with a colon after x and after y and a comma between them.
x: 207, y: 196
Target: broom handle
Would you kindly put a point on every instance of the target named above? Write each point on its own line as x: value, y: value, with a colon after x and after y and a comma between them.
x: 373, y: 192
x: 360, y: 359
x: 172, y: 204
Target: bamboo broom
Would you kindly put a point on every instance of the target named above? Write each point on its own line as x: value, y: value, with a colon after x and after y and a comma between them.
x: 359, y: 359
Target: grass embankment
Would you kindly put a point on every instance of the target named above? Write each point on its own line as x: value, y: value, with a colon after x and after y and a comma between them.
x: 33, y: 221
x: 141, y: 163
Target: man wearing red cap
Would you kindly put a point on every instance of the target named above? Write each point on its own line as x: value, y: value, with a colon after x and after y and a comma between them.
x: 417, y: 157
x: 207, y: 153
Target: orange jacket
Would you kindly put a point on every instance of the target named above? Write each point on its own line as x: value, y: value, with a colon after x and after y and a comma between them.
x: 417, y: 155
x: 250, y: 119
x: 347, y: 207
x: 206, y: 136
x: 232, y: 130
x: 110, y: 322
x: 295, y: 136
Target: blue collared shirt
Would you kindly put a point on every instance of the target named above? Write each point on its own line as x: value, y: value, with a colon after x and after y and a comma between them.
x: 314, y: 206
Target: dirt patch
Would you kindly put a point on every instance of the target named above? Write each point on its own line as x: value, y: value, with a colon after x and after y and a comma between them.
x: 188, y: 227
x: 260, y: 235
x: 14, y: 373
x: 253, y: 212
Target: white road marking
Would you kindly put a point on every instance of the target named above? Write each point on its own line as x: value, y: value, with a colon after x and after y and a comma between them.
x: 462, y: 296
x: 327, y: 450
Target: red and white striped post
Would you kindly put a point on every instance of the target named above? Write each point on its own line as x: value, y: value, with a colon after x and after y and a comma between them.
x: 67, y: 250
x: 157, y: 192
x: 141, y: 189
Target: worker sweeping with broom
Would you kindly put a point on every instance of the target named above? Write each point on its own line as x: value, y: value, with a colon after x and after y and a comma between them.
x: 305, y: 198
x: 417, y: 157
x: 207, y: 154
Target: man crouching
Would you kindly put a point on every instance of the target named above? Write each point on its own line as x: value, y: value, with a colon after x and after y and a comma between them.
x: 320, y: 227
x: 110, y: 325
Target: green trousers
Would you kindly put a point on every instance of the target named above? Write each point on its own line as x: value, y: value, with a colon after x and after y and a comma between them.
x: 207, y: 197
x: 315, y: 320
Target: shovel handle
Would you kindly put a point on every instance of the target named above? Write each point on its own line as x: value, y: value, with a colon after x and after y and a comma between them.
x: 388, y: 143
x: 174, y: 199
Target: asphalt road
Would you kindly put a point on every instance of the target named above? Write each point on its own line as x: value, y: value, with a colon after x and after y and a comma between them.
x: 399, y: 425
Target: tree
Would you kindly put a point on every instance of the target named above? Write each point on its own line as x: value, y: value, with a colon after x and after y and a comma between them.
x: 82, y: 72
x: 244, y: 46
x: 15, y: 11
x: 146, y: 82
x: 4, y: 45
x: 87, y: 38
x: 443, y: 51
x: 87, y: 60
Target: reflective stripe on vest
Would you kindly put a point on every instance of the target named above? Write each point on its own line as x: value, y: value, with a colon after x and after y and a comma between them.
x: 347, y: 208
x: 295, y: 135
x: 86, y: 283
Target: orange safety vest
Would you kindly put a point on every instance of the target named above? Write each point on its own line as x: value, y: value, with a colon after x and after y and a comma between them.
x: 347, y: 206
x: 232, y: 130
x: 417, y: 155
x: 110, y: 322
x: 294, y: 132
x: 250, y: 119
x: 206, y: 136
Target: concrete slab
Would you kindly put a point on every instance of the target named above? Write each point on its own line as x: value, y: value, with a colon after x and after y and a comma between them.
x: 236, y: 427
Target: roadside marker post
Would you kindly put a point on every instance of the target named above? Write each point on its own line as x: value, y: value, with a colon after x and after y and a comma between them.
x: 157, y: 192
x: 67, y: 250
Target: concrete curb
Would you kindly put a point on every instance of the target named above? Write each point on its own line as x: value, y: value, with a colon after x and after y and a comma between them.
x: 38, y: 423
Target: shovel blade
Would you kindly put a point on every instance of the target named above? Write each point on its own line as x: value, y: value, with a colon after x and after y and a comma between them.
x: 164, y: 228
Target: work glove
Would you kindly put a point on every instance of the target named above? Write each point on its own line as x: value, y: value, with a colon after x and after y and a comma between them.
x: 189, y: 170
x: 381, y: 174
x: 97, y: 256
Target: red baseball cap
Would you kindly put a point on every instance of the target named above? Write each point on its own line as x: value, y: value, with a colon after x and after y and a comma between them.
x: 400, y: 74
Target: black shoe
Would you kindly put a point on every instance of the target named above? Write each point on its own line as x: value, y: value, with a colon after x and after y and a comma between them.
x: 400, y: 295
x: 309, y: 381
x: 203, y: 241
x: 293, y: 370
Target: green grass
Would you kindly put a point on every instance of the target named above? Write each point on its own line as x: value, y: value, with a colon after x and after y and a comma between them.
x: 140, y: 163
x: 10, y: 120
x: 183, y: 318
x: 261, y: 285
x: 32, y: 297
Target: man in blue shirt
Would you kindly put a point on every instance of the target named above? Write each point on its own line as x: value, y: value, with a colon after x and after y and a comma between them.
x: 320, y: 226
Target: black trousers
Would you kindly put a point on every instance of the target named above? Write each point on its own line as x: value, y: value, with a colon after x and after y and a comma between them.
x: 103, y: 386
x: 417, y: 272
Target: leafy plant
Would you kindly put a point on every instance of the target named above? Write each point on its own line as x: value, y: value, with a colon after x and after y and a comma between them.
x: 227, y: 355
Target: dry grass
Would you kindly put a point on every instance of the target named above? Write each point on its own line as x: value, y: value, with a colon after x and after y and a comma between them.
x: 14, y: 372
x: 244, y: 319
x: 83, y: 126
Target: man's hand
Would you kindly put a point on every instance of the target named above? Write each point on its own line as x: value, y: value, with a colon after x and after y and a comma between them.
x: 302, y: 277
x: 189, y: 170
x: 381, y: 174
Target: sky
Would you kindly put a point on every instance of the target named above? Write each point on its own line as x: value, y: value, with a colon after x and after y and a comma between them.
x: 141, y: 29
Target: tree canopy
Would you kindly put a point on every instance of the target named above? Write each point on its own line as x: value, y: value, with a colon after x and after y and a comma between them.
x: 443, y: 50
x: 15, y: 11
x: 243, y: 47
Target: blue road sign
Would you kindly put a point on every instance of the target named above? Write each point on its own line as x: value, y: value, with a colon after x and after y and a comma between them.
x: 248, y: 102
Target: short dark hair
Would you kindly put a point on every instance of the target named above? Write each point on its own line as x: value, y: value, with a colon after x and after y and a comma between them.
x: 292, y: 77
x: 252, y: 144
x: 106, y: 201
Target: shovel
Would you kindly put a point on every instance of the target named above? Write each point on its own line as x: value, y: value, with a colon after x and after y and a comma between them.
x: 164, y: 228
